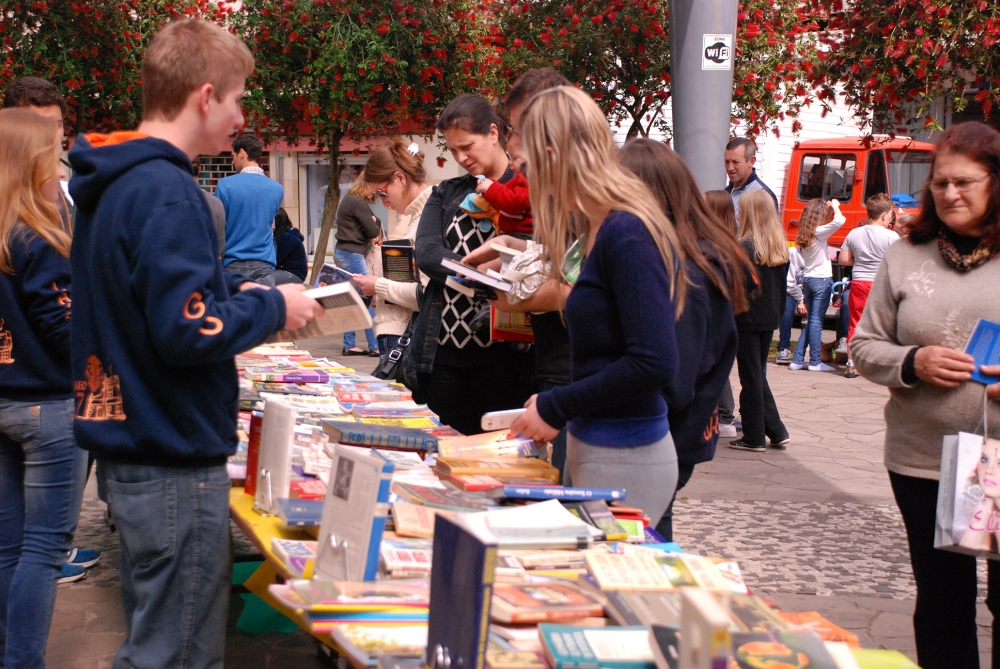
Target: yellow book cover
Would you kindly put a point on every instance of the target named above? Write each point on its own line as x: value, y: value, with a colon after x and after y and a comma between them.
x: 626, y: 572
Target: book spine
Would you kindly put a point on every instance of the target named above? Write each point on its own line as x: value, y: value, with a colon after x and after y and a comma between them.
x: 489, y: 574
x: 362, y: 438
x: 253, y: 453
x: 543, y: 493
x: 552, y: 616
x: 374, y: 544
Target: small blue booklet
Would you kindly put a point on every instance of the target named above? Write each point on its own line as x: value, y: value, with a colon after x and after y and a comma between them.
x: 984, y: 347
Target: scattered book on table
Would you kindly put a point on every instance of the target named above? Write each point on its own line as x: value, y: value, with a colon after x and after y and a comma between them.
x: 442, y: 498
x: 529, y: 467
x: 406, y: 555
x: 542, y: 602
x: 345, y: 311
x: 540, y: 493
x: 295, y: 375
x: 363, y: 644
x: 414, y: 520
x: 813, y: 621
x: 310, y: 489
x: 274, y: 461
x: 300, y: 512
x: 355, y: 514
x: 752, y: 614
x: 488, y: 445
x: 462, y: 577
x: 644, y: 607
x: 542, y: 525
x: 295, y: 555
x: 379, y: 436
x: 473, y: 483
x: 351, y: 397
x: 391, y: 410
x: 752, y: 650
x: 572, y: 647
x: 626, y: 572
x: 514, y: 659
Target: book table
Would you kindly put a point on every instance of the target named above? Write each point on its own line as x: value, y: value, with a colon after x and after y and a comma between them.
x: 260, y: 530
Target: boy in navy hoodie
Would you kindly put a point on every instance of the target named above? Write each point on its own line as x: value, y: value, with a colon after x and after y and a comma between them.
x: 156, y: 325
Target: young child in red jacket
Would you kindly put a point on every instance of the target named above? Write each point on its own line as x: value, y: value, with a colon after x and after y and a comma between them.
x: 511, y: 199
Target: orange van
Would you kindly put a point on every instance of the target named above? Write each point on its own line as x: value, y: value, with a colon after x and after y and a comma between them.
x: 844, y: 169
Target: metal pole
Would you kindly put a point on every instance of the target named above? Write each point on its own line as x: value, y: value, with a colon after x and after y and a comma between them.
x: 702, y: 49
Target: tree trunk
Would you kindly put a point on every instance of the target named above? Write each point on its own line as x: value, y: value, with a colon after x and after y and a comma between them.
x: 330, y: 204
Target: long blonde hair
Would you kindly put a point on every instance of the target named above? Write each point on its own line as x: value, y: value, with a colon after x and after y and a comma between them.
x: 815, y: 214
x: 28, y: 159
x: 571, y: 155
x: 759, y: 223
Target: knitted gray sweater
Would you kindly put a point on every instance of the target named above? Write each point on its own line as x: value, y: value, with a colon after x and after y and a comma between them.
x: 919, y: 300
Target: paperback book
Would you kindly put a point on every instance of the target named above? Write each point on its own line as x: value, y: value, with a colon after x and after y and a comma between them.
x: 344, y: 311
x: 542, y: 602
x: 529, y: 467
x: 572, y: 647
x: 488, y: 445
x: 379, y: 436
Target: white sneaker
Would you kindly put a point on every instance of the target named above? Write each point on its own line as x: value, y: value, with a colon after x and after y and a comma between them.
x: 796, y: 366
x: 822, y: 367
x: 842, y: 346
x: 727, y: 430
x: 784, y: 356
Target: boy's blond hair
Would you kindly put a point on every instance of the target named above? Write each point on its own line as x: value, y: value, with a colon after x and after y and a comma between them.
x: 184, y: 55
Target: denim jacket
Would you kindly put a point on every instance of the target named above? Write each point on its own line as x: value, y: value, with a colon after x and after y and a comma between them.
x: 430, y: 249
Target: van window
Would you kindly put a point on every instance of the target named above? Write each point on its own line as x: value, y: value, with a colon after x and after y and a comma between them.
x: 827, y: 176
x: 875, y: 179
x: 908, y: 172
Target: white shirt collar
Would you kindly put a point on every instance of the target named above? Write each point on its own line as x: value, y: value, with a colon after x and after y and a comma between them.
x: 253, y: 170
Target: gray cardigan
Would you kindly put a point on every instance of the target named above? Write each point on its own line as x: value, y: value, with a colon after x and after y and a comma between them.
x: 357, y: 226
x: 919, y: 300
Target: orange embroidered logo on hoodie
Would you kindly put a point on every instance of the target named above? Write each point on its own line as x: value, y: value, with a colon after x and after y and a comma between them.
x: 194, y: 309
x: 100, y: 396
x: 6, y: 346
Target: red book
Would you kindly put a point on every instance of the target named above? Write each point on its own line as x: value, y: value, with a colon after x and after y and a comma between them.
x: 308, y: 489
x: 473, y: 483
x: 253, y: 452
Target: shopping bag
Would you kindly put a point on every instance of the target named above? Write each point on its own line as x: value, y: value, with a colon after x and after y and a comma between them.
x: 968, y: 506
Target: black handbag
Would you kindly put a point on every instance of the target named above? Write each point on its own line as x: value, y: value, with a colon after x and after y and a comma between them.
x: 390, y: 367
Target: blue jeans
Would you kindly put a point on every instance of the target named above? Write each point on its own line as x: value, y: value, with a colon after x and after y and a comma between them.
x: 355, y: 263
x: 173, y: 524
x: 816, y: 293
x: 785, y: 326
x: 255, y: 270
x: 42, y: 475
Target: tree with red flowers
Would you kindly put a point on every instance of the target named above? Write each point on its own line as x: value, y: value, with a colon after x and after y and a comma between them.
x: 347, y: 68
x: 91, y: 49
x: 619, y: 52
x: 894, y: 59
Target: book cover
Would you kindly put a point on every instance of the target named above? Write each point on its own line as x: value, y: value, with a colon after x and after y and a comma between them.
x: 308, y: 489
x: 693, y: 570
x: 752, y: 614
x: 419, y: 422
x: 497, y: 658
x: 355, y: 513
x: 572, y: 647
x: 473, y: 483
x: 546, y: 559
x: 299, y: 512
x: 292, y: 375
x: 462, y: 578
x: 984, y: 347
x: 475, y: 275
x: 380, y: 436
x: 752, y: 650
x: 398, y: 261
x: 374, y: 411
x: 541, y: 493
x: 495, y: 444
x: 294, y: 554
x: 350, y: 397
x: 627, y: 572
x: 510, y: 326
x: 542, y: 602
x: 644, y: 608
x: 275, y: 456
x: 362, y: 643
x: 253, y: 453
x: 414, y: 520
x: 345, y: 311
x: 665, y: 644
x: 505, y: 467
x: 812, y: 621
x: 331, y: 274
x: 870, y: 658
x: 406, y: 555
x: 442, y: 498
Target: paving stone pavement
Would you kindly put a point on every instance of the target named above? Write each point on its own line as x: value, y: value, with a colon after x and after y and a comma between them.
x: 814, y: 527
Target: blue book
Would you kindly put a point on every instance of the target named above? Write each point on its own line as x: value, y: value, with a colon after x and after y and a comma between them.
x: 572, y: 647
x: 380, y: 436
x: 984, y: 347
x: 542, y: 493
x: 462, y: 573
x: 300, y: 512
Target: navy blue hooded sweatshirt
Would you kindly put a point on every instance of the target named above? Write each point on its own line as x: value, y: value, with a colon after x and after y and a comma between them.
x: 706, y: 345
x: 156, y: 324
x: 35, y: 321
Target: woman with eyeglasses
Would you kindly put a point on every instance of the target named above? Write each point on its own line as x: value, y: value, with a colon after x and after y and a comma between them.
x: 927, y: 295
x: 396, y: 175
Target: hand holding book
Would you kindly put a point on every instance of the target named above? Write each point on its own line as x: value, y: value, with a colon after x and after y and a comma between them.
x: 299, y: 308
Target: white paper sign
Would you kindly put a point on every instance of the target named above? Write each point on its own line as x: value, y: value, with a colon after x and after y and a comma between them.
x: 717, y: 52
